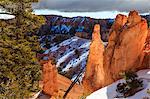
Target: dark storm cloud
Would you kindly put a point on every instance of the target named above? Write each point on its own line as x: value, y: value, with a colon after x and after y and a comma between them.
x: 94, y: 5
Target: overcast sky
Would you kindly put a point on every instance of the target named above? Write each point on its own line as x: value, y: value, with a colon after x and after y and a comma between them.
x: 90, y: 8
x: 143, y: 6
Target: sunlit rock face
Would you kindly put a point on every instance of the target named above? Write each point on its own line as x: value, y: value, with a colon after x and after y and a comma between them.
x: 50, y: 84
x: 119, y: 23
x: 133, y: 18
x: 148, y: 36
x: 123, y: 52
x: 125, y: 46
x: 96, y: 74
x: 113, y: 39
x: 146, y: 61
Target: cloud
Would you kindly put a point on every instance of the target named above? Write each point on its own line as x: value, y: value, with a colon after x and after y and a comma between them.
x: 143, y: 6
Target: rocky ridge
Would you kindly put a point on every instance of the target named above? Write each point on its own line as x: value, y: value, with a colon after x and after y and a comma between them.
x: 123, y: 52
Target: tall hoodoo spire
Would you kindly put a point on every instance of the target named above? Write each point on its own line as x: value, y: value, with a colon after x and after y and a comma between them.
x: 95, y: 75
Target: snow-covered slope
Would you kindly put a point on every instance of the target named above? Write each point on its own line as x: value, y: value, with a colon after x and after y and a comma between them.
x: 70, y: 55
x: 109, y: 92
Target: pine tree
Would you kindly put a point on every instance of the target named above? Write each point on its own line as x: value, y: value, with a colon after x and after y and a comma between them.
x: 19, y: 68
x: 131, y: 85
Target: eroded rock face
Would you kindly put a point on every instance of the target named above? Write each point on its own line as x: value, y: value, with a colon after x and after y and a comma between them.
x: 50, y: 84
x: 133, y: 18
x: 146, y: 61
x: 96, y: 74
x: 119, y: 23
x: 125, y: 47
x: 113, y: 38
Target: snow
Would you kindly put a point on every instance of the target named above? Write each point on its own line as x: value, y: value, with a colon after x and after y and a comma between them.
x: 54, y: 48
x: 62, y: 59
x: 6, y: 16
x: 64, y: 43
x: 105, y: 43
x: 67, y: 42
x: 144, y: 74
x: 65, y: 28
x: 109, y: 92
x: 75, y: 62
x: 80, y: 78
x: 35, y: 96
x: 85, y: 45
x: 75, y: 38
x: 47, y: 51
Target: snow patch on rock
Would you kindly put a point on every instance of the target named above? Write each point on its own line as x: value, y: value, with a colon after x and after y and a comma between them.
x: 109, y: 92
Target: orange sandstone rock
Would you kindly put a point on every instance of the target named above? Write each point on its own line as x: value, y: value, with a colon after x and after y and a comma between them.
x: 50, y: 83
x: 133, y: 18
x: 113, y: 39
x: 96, y: 74
x: 146, y: 61
x: 119, y: 22
x: 125, y: 47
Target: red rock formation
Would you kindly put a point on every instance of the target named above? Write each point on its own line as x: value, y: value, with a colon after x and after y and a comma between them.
x: 50, y: 84
x: 96, y: 74
x: 125, y: 47
x: 146, y: 61
x: 148, y: 36
x: 113, y: 39
x: 124, y: 51
x: 119, y: 23
x: 133, y: 18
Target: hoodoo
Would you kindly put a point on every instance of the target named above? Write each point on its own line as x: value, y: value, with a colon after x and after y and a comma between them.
x: 96, y: 74
x: 123, y: 52
x: 125, y: 46
x: 113, y: 38
x: 50, y: 83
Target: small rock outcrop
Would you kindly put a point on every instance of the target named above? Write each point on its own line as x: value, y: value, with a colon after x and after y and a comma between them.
x: 126, y: 43
x: 50, y: 83
x: 96, y: 75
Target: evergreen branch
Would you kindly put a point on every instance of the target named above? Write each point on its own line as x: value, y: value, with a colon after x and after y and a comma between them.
x: 2, y: 6
x: 7, y: 13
